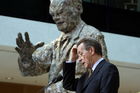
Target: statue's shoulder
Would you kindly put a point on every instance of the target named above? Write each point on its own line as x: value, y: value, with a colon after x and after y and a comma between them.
x: 91, y: 30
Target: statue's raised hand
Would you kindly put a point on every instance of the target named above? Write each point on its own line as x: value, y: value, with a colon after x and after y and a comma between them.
x: 25, y: 47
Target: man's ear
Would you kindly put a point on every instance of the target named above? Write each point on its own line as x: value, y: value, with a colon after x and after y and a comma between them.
x: 92, y: 50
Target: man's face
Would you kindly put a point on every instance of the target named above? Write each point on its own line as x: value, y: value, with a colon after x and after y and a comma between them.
x: 64, y: 16
x: 84, y: 56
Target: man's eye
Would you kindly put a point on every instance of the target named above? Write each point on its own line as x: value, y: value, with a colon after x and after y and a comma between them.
x: 80, y: 54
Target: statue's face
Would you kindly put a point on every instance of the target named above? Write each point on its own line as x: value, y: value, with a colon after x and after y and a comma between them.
x: 64, y: 15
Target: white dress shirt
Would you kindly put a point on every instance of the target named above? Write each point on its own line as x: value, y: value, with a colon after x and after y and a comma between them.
x: 96, y: 63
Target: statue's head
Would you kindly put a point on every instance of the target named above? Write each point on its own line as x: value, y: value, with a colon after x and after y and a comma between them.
x: 66, y: 13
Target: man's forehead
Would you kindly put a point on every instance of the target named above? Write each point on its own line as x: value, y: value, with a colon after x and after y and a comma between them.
x: 80, y: 46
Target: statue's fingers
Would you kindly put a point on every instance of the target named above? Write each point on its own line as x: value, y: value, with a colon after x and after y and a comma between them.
x: 20, y: 38
x: 27, y: 37
x: 29, y: 44
x: 39, y: 45
x: 18, y: 50
x: 18, y: 42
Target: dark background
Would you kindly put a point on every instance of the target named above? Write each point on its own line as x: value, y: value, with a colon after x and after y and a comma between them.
x: 106, y: 19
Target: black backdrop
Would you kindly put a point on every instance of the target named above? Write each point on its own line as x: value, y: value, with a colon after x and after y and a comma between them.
x: 104, y: 18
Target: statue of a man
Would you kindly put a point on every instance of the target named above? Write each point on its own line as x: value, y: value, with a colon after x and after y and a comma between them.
x: 67, y: 16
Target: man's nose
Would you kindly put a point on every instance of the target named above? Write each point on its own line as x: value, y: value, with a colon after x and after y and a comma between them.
x: 79, y: 59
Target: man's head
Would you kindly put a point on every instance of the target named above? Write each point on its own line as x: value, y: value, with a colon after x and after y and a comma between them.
x: 66, y: 13
x: 89, y: 51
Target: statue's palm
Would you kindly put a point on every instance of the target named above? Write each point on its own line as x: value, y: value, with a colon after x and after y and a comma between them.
x: 26, y: 48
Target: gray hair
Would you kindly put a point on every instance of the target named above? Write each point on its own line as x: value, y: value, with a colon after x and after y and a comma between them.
x: 88, y: 43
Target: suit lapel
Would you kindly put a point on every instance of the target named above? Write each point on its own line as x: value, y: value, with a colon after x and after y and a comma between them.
x: 99, y: 66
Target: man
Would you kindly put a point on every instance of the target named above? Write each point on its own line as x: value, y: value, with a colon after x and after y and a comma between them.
x: 66, y: 14
x: 104, y: 76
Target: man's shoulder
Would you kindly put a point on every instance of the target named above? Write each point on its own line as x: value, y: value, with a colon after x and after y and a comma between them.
x: 110, y: 65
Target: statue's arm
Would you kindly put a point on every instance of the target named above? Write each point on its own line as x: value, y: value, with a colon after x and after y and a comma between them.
x: 31, y: 60
x: 38, y: 64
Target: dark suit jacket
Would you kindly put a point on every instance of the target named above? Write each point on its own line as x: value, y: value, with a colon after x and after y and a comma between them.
x: 105, y: 79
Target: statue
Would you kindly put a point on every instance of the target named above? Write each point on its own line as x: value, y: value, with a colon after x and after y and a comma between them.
x: 49, y: 58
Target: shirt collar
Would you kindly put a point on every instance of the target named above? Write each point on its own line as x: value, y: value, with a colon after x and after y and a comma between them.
x: 96, y: 63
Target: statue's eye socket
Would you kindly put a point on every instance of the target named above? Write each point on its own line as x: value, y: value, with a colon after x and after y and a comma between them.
x: 60, y: 12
